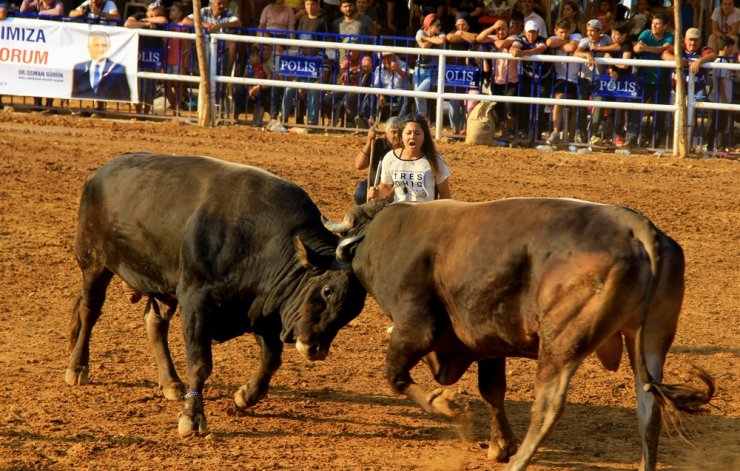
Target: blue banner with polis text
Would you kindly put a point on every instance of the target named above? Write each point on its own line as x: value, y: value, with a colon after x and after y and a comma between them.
x: 623, y: 87
x: 300, y: 66
x: 462, y: 76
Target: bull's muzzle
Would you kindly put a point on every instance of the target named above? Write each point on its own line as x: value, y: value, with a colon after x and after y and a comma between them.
x: 312, y: 352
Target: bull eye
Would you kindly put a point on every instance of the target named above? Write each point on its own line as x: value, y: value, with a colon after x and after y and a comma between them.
x: 327, y: 292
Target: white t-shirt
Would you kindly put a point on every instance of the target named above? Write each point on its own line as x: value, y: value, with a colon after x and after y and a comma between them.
x: 725, y: 22
x: 567, y: 70
x: 412, y: 180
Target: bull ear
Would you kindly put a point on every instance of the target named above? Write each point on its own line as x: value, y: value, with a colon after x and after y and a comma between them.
x: 306, y: 257
x: 346, y: 248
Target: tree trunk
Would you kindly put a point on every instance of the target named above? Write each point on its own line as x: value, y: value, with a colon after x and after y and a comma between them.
x: 205, y: 115
x: 680, y: 82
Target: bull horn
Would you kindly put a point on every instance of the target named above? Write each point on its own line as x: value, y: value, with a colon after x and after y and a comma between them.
x: 337, y: 228
x: 348, y: 244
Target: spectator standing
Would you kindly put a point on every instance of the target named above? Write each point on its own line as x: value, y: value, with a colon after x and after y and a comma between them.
x: 694, y: 56
x: 527, y: 9
x: 416, y: 171
x: 369, y: 15
x: 43, y: 7
x: 393, y: 16
x: 96, y: 9
x: 725, y: 22
x: 621, y: 49
x: 504, y: 72
x: 462, y: 38
x: 595, y: 44
x: 533, y: 80
x: 50, y: 8
x: 569, y: 11
x: 641, y: 19
x: 3, y: 16
x: 372, y: 153
x: 429, y: 37
x: 313, y: 27
x: 650, y: 45
x: 605, y: 14
x: 217, y: 18
x: 474, y: 9
x: 277, y: 16
x: 349, y: 25
x: 563, y: 43
x: 720, y: 124
x: 177, y: 58
x: 153, y: 18
x: 516, y: 23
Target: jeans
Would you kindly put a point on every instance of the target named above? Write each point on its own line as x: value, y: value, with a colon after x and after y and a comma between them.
x: 457, y: 115
x: 312, y: 105
x: 423, y: 77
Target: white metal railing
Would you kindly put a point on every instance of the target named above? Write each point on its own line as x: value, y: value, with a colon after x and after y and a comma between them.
x: 440, y: 95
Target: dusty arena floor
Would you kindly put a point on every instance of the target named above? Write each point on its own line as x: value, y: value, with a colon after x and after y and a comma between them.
x: 337, y: 414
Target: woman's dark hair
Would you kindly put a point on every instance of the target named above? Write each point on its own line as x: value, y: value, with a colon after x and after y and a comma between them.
x: 428, y: 147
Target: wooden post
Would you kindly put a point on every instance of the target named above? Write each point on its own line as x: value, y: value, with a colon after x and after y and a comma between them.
x: 680, y: 81
x: 205, y: 115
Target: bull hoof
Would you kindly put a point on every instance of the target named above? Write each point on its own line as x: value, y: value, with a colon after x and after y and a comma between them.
x: 186, y: 425
x: 77, y: 376
x: 244, y: 399
x: 173, y: 391
x: 501, y: 452
x: 448, y: 403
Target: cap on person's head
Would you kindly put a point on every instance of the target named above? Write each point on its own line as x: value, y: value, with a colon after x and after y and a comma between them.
x: 463, y: 15
x: 394, y: 122
x: 693, y: 33
x: 428, y: 20
x: 595, y: 24
x: 531, y: 25
x: 499, y: 24
x: 153, y: 5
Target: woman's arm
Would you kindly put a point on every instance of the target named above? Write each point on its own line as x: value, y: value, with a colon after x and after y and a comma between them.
x: 443, y: 190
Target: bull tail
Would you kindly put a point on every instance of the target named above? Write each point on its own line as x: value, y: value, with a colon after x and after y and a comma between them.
x: 74, y: 323
x: 673, y: 400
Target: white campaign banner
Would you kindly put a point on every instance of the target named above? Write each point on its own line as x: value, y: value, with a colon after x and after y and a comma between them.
x: 68, y: 60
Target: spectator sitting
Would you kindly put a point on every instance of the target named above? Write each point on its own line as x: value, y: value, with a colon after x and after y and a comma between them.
x: 354, y: 70
x: 93, y: 9
x: 390, y: 74
x: 259, y: 96
x: 372, y: 153
x: 595, y: 44
x: 725, y: 22
x: 504, y: 72
x: 277, y: 16
x: 429, y: 37
x: 153, y: 18
x: 563, y: 43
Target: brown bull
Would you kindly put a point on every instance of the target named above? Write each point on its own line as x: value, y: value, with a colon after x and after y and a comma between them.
x: 549, y: 279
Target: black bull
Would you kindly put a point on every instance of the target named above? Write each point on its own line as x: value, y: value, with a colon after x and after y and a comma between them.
x: 238, y: 248
x: 549, y: 279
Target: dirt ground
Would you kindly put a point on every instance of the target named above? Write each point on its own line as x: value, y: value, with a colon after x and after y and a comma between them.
x: 337, y: 414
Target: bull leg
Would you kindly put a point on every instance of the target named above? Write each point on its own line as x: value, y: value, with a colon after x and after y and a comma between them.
x: 271, y: 349
x: 192, y: 418
x: 492, y: 387
x: 551, y: 386
x: 85, y: 314
x: 408, y: 345
x: 157, y: 328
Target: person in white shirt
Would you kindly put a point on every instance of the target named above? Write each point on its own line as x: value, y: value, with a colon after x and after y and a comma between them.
x: 416, y: 172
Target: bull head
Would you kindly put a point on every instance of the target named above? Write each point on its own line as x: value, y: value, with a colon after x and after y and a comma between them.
x: 351, y: 229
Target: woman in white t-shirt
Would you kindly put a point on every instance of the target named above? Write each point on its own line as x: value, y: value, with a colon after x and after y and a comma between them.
x: 415, y: 172
x: 725, y: 22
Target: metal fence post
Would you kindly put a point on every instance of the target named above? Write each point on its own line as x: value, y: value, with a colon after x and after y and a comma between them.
x: 439, y: 117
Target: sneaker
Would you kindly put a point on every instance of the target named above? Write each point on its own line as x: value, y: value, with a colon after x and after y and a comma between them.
x: 580, y: 138
x: 619, y: 141
x: 361, y: 122
x: 510, y: 133
x: 553, y: 138
x: 595, y: 140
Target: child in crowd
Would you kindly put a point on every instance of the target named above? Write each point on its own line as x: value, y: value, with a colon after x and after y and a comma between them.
x: 622, y: 49
x: 563, y: 43
x: 641, y: 18
x: 719, y: 122
x: 604, y: 14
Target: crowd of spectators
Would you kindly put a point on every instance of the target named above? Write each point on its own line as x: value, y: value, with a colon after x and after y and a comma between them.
x: 586, y: 29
